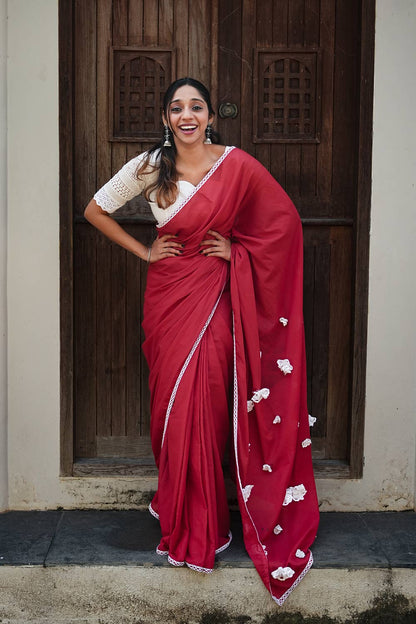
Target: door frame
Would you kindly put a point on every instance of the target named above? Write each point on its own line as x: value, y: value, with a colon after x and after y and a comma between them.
x: 325, y: 468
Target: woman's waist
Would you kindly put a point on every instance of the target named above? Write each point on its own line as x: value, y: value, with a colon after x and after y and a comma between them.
x: 188, y: 266
x: 186, y: 289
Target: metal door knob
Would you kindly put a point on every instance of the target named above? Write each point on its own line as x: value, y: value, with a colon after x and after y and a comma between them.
x: 227, y: 109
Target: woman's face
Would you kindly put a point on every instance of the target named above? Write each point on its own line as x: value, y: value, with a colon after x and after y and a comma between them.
x: 188, y: 116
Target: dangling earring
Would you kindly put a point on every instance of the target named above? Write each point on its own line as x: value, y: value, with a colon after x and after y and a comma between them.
x: 208, y: 135
x: 167, y: 142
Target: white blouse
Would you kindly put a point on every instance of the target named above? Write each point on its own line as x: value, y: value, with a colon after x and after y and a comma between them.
x: 125, y: 185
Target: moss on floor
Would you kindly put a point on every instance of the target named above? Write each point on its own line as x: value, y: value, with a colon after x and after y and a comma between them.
x: 386, y: 609
x: 297, y: 618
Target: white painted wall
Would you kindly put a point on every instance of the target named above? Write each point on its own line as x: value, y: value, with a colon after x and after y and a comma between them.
x: 33, y: 252
x: 3, y: 248
x: 33, y: 277
x: 390, y: 417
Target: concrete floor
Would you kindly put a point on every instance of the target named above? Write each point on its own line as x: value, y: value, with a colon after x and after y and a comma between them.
x: 100, y: 567
x: 94, y: 537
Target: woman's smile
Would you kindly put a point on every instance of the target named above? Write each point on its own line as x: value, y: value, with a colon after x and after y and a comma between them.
x: 187, y: 129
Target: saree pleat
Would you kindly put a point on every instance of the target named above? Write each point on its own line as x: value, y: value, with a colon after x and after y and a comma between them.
x: 192, y: 500
x: 225, y: 344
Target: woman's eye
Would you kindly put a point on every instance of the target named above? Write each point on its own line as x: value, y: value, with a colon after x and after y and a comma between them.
x: 197, y: 107
x: 175, y: 109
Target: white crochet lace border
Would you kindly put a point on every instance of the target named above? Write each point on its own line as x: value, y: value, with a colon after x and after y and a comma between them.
x: 186, y: 364
x: 227, y: 150
x: 235, y: 432
x: 192, y: 566
x: 306, y: 569
x: 152, y: 511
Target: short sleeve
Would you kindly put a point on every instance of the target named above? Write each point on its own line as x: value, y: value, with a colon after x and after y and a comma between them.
x: 124, y: 185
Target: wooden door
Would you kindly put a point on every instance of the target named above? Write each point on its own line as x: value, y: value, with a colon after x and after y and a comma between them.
x: 125, y: 54
x: 290, y: 69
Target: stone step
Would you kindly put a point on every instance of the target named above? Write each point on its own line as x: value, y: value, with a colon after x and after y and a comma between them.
x: 100, y: 566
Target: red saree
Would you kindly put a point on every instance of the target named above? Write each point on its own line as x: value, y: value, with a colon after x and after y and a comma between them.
x: 225, y: 347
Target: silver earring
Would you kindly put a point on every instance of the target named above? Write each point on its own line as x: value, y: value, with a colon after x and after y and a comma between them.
x: 208, y: 135
x: 167, y: 142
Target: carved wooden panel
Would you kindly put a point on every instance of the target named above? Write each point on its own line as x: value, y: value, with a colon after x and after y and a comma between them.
x: 286, y: 96
x: 139, y: 78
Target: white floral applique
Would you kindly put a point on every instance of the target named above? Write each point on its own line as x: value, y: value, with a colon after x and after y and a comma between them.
x: 277, y: 529
x: 282, y: 574
x: 285, y: 366
x: 267, y: 468
x: 288, y: 497
x: 277, y: 420
x: 284, y: 321
x: 246, y: 492
x: 306, y: 442
x: 258, y: 395
x: 294, y: 494
x: 312, y: 420
x: 300, y: 554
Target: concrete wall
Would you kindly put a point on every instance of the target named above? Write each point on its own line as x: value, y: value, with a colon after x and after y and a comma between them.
x: 33, y: 278
x: 3, y: 247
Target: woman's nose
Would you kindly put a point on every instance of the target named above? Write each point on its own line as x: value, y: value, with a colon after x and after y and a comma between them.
x: 187, y: 113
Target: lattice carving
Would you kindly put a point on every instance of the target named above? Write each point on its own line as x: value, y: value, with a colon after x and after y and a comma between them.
x: 139, y: 79
x: 287, y: 96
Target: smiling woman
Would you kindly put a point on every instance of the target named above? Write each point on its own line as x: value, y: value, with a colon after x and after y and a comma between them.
x: 187, y: 117
x: 225, y: 269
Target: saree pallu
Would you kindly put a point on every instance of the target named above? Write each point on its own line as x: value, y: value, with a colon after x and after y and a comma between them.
x: 225, y: 346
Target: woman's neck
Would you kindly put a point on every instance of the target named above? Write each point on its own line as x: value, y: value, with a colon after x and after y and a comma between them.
x: 193, y: 162
x: 189, y: 155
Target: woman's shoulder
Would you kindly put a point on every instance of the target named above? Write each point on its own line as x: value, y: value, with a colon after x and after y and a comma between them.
x: 149, y: 157
x: 242, y: 155
x: 142, y: 165
x: 250, y: 163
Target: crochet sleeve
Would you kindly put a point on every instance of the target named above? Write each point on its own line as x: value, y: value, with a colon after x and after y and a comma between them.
x: 122, y: 187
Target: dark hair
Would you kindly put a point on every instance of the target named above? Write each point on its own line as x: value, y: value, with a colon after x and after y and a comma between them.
x: 165, y: 185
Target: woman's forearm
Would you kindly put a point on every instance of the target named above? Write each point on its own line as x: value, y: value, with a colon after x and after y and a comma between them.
x: 112, y: 230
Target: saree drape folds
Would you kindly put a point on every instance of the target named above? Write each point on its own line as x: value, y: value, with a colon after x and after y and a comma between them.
x: 225, y: 347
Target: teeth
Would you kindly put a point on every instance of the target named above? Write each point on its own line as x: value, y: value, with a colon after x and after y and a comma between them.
x: 188, y: 127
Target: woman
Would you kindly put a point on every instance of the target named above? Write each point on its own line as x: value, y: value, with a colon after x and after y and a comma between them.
x: 225, y: 345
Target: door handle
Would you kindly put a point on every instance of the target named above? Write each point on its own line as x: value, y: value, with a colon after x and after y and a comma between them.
x: 227, y: 109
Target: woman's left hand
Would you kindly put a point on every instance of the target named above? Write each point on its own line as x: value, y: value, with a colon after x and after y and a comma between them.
x: 217, y: 246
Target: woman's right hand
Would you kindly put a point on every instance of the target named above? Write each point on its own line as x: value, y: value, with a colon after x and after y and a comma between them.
x: 164, y: 247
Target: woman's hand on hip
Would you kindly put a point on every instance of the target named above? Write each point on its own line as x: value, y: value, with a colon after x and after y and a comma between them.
x: 164, y: 247
x: 217, y: 246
